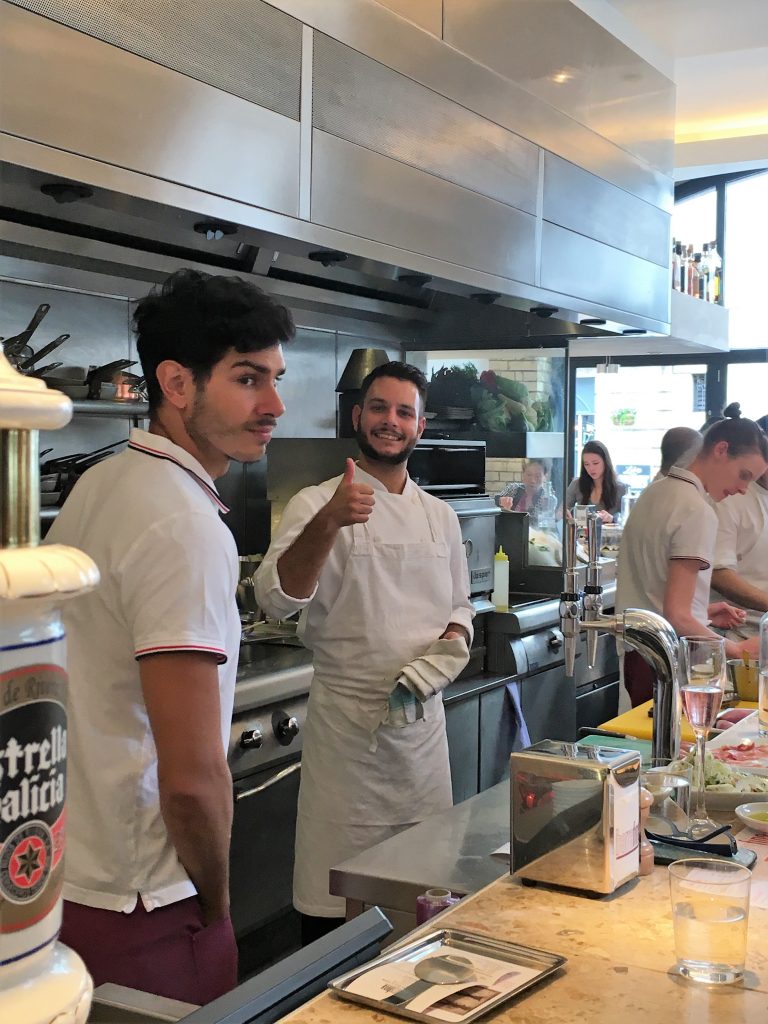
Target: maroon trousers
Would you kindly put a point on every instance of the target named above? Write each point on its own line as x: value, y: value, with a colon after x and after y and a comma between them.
x: 168, y: 951
x: 639, y: 678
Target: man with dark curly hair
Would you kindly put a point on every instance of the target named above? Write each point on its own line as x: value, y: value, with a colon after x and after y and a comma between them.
x: 153, y: 650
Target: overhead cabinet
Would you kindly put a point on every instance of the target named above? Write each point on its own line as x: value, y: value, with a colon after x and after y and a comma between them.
x: 343, y: 127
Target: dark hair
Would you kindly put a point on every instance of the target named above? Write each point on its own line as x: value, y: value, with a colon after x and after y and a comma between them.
x: 732, y: 411
x: 610, y: 483
x: 677, y: 443
x: 544, y: 464
x: 400, y: 371
x: 195, y: 318
x: 744, y: 437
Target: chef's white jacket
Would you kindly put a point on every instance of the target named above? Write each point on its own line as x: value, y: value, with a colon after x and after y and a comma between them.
x: 392, y: 522
x: 742, y: 541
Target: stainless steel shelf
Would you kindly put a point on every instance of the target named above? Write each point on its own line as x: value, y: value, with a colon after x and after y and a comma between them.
x: 114, y: 410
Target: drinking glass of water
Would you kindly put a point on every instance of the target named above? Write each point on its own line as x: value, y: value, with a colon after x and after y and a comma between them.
x: 703, y: 661
x: 710, y: 911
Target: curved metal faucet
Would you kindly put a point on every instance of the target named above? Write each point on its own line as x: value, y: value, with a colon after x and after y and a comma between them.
x: 649, y: 634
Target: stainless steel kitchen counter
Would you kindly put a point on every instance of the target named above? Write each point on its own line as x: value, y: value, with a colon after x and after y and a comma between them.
x: 272, y: 672
x: 449, y: 850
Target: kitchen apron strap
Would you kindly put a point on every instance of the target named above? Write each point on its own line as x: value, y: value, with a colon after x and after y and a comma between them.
x: 361, y: 533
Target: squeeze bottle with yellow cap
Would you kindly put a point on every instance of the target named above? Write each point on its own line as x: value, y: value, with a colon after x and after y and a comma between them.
x: 500, y: 595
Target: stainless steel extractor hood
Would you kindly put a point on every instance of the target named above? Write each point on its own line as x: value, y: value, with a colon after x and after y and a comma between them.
x: 135, y: 143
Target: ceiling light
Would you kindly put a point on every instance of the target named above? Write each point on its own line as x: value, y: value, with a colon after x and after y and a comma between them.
x: 561, y: 77
x: 215, y: 230
x: 66, y: 191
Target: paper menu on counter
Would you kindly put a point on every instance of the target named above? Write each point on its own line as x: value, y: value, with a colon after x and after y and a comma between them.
x: 396, y: 985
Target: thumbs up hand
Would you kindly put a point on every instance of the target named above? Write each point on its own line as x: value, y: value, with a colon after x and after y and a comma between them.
x: 351, y: 502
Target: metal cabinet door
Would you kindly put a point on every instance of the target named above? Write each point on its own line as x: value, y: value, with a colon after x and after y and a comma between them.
x: 549, y: 705
x: 462, y: 723
x: 261, y: 851
x: 499, y: 736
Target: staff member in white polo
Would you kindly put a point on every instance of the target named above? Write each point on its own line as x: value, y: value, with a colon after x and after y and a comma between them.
x: 668, y: 543
x: 153, y: 650
x: 378, y: 568
x: 740, y: 571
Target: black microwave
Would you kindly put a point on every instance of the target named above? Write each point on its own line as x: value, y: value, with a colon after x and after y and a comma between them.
x: 449, y: 469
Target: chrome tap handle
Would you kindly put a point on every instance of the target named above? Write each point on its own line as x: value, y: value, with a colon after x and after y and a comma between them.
x: 594, y: 544
x: 570, y: 599
x: 593, y: 591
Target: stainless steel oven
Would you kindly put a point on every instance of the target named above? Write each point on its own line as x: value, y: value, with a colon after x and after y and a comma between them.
x: 265, y: 761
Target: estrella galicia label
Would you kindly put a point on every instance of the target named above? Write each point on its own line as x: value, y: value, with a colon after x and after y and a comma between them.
x: 33, y: 777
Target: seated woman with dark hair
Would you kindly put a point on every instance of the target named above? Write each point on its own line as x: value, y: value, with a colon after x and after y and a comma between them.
x: 597, y: 483
x: 526, y: 496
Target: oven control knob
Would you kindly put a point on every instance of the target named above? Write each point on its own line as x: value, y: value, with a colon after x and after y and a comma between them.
x: 251, y: 739
x: 286, y: 729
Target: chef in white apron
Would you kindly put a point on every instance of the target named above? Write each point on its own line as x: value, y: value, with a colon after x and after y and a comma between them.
x: 378, y: 570
x: 740, y: 571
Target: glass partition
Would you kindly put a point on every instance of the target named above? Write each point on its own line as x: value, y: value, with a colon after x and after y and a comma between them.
x: 630, y: 408
x: 514, y: 400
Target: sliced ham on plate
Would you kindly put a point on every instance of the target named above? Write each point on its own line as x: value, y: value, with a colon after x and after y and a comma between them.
x: 746, y: 754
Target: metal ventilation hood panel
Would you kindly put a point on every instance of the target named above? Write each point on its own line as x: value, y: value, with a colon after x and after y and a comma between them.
x: 114, y: 244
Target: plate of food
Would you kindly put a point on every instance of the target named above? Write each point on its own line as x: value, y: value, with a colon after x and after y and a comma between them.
x: 742, y: 747
x: 727, y: 787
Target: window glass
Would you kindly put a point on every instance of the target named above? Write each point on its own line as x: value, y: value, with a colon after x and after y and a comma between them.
x: 694, y: 220
x: 746, y: 226
x: 630, y: 408
x: 748, y: 385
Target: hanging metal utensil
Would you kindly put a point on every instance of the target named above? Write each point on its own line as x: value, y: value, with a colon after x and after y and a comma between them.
x: 41, y: 372
x: 14, y: 345
x: 104, y: 374
x: 46, y: 350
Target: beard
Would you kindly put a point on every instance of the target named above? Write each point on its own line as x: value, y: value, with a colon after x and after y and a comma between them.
x: 210, y: 431
x: 396, y: 459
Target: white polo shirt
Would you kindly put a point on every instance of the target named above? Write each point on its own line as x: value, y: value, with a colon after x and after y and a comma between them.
x: 742, y: 541
x: 149, y: 518
x: 672, y: 518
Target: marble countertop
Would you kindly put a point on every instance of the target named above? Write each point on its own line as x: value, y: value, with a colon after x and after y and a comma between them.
x: 620, y: 953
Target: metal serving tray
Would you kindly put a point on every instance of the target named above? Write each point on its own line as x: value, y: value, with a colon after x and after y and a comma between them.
x: 544, y: 964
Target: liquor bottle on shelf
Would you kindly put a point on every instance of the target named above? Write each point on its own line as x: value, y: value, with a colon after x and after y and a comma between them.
x: 676, y: 250
x: 705, y: 269
x: 683, y: 268
x: 689, y: 270
x: 700, y: 282
x: 694, y: 277
x: 716, y: 272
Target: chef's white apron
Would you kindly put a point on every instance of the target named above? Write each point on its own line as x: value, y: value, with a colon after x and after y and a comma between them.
x: 363, y: 781
x: 753, y: 567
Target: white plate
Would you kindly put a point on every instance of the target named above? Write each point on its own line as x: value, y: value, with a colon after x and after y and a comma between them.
x: 744, y: 811
x: 722, y: 806
x: 746, y: 729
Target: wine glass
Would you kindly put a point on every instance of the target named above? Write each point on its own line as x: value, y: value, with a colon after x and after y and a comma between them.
x: 703, y: 659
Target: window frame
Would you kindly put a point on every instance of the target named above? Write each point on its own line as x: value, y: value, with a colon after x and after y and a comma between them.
x: 718, y: 182
x: 716, y: 384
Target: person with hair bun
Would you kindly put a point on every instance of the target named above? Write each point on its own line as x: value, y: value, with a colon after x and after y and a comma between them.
x: 668, y: 544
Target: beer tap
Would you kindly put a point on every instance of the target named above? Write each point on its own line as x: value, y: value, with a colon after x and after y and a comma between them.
x: 593, y: 591
x: 649, y: 634
x: 570, y: 599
